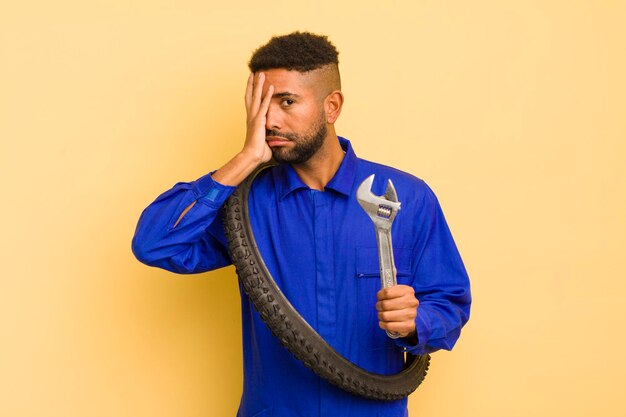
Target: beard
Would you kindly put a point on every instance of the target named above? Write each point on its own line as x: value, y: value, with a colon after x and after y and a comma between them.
x: 305, y: 145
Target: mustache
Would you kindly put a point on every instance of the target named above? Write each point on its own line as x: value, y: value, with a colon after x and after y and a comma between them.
x: 289, y: 136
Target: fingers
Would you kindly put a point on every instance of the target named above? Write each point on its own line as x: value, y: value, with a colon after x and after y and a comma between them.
x: 257, y: 103
x: 257, y: 107
x: 397, y: 309
x: 401, y: 321
x: 266, y: 100
x: 407, y: 314
x: 400, y: 303
x: 258, y: 92
x: 397, y: 297
x: 394, y: 292
x: 248, y: 95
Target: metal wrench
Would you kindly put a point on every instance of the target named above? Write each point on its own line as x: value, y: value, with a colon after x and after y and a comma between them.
x: 382, y: 210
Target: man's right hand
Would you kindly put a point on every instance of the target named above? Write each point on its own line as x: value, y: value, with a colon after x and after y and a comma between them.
x: 255, y: 150
x: 257, y: 104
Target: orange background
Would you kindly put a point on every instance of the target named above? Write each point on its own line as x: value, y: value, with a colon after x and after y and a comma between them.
x: 513, y: 111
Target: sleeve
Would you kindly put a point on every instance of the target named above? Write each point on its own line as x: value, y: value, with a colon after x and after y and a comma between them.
x: 440, y: 281
x: 194, y: 244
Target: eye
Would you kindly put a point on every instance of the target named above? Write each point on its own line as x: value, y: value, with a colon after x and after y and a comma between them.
x: 287, y: 102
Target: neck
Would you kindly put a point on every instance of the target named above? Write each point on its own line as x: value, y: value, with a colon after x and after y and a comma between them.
x: 321, y: 167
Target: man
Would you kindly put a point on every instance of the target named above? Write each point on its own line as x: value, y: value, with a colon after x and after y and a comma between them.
x: 317, y: 242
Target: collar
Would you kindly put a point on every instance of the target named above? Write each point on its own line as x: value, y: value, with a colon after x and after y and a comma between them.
x: 287, y: 180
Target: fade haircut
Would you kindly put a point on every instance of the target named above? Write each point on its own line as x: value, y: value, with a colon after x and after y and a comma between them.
x: 299, y: 51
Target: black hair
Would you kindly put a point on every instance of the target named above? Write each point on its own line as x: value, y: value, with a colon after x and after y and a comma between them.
x: 299, y: 51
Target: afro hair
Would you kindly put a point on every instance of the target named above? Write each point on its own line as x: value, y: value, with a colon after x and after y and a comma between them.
x: 299, y: 51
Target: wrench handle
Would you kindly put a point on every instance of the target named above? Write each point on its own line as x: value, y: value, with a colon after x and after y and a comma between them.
x: 385, y: 258
x: 387, y: 264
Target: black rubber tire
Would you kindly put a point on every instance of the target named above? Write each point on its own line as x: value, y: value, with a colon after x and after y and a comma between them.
x: 291, y: 329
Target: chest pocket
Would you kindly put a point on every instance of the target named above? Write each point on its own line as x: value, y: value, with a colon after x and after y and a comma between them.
x: 370, y: 335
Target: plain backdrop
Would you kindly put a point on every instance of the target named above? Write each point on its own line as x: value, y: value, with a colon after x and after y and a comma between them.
x: 512, y: 111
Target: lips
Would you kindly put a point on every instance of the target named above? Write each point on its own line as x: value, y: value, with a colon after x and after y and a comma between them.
x: 276, y: 140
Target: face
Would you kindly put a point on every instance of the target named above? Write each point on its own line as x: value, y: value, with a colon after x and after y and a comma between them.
x: 296, y: 125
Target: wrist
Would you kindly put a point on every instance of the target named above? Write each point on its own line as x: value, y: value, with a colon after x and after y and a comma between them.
x: 236, y: 170
x: 251, y: 157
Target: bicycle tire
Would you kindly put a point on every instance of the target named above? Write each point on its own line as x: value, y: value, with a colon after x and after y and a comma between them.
x: 291, y: 329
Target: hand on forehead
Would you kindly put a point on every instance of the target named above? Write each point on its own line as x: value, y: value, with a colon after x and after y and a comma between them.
x: 318, y: 82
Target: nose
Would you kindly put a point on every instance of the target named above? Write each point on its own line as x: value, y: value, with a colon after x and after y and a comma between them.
x: 272, y: 118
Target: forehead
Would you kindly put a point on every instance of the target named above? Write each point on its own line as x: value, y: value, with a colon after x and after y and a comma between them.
x: 289, y: 81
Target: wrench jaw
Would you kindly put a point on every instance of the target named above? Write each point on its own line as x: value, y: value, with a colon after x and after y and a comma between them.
x: 381, y: 209
x: 390, y: 193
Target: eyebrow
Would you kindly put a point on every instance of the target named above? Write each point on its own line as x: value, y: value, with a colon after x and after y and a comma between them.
x: 285, y: 94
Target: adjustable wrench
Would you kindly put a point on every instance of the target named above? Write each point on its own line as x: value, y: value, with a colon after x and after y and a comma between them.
x: 382, y: 210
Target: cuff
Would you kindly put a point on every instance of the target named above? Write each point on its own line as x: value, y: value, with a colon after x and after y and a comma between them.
x: 211, y: 192
x: 422, y: 333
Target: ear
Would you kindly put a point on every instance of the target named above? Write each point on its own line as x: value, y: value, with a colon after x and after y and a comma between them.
x: 332, y: 106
